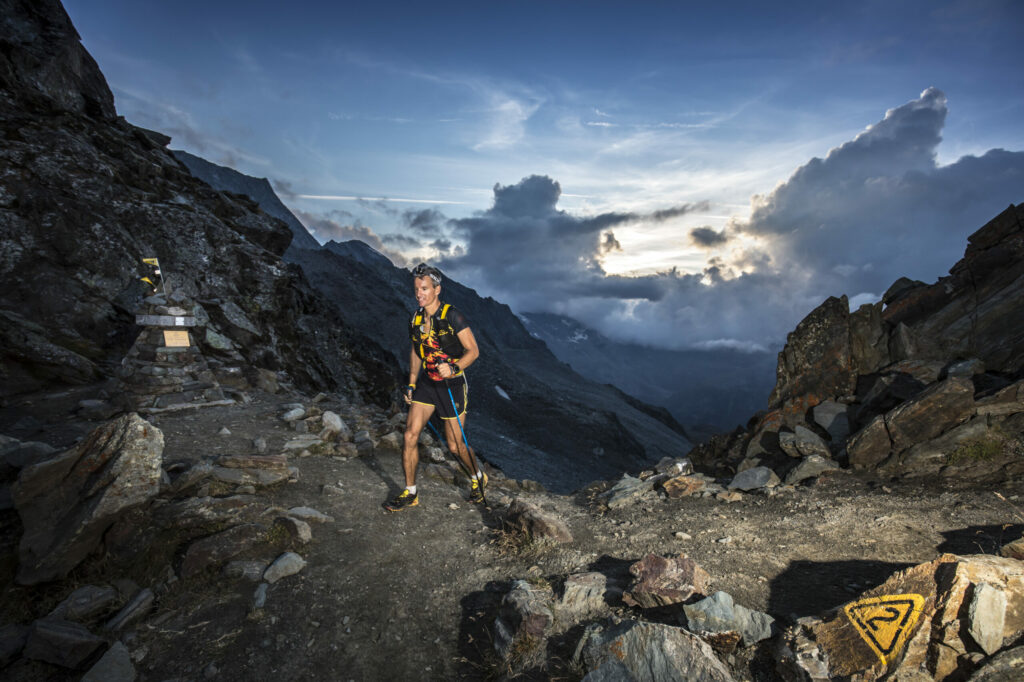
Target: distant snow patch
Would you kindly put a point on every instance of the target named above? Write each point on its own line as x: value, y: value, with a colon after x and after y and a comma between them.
x: 501, y: 392
x: 577, y: 336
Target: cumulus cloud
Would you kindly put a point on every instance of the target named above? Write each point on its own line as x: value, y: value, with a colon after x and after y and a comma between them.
x: 874, y: 209
x: 524, y: 238
x: 426, y: 222
x: 401, y: 241
x: 442, y: 245
x: 879, y: 207
x: 708, y: 237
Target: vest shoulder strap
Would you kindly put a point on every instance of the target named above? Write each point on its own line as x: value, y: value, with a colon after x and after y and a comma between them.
x: 444, y: 309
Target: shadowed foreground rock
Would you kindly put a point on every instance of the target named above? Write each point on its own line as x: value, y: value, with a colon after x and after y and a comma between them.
x: 68, y: 501
x: 649, y: 652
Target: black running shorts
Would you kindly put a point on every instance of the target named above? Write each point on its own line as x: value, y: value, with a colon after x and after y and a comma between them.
x: 435, y: 394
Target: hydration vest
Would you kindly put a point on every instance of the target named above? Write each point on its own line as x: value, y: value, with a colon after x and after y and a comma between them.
x: 442, y: 330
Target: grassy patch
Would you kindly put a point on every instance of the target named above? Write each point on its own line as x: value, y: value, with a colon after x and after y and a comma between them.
x: 976, y: 451
x: 518, y: 543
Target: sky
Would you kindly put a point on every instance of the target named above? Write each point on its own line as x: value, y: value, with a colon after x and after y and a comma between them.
x: 678, y: 174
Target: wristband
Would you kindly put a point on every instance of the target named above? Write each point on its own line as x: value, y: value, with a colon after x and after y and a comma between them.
x: 411, y: 387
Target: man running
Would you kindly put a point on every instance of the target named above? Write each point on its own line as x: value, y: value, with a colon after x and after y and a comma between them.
x: 443, y: 345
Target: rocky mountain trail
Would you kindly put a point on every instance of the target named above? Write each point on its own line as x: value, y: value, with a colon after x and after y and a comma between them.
x: 365, y: 594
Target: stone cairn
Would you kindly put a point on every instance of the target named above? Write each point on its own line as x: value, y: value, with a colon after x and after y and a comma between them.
x: 165, y: 370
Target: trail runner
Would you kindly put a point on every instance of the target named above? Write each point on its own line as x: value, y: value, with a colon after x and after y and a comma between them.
x: 443, y: 346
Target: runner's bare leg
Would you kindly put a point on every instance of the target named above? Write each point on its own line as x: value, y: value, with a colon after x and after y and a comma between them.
x: 457, y: 445
x: 419, y: 415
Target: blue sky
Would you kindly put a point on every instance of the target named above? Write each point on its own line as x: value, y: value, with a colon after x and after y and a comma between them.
x: 628, y: 110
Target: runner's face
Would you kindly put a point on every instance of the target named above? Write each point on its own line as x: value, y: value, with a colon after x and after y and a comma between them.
x: 426, y: 291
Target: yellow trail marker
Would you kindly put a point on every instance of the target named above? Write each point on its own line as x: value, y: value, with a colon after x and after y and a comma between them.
x: 148, y: 281
x: 885, y: 623
x: 151, y: 261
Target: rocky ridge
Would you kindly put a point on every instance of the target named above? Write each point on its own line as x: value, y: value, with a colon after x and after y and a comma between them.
x: 86, y: 195
x: 927, y: 381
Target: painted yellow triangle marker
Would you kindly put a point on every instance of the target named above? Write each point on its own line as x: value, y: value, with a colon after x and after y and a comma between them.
x: 885, y: 623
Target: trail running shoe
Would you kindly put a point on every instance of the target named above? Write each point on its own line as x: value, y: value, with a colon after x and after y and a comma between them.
x: 402, y: 500
x: 476, y: 489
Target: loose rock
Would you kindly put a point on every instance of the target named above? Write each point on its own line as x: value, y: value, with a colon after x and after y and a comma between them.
x: 648, y: 652
x: 531, y: 519
x: 661, y: 581
x: 753, y: 479
x: 68, y: 501
x: 285, y: 565
x: 718, y: 613
x: 61, y: 642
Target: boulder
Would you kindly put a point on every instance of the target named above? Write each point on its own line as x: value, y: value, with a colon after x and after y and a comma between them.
x: 285, y: 565
x: 787, y: 442
x: 834, y: 418
x: 114, y: 666
x: 61, y: 642
x: 809, y: 443
x: 648, y: 652
x: 718, y: 613
x: 674, y: 466
x: 1008, y: 400
x: 683, y: 486
x: 85, y: 603
x: 214, y: 550
x: 986, y: 617
x: 870, y: 446
x: 1006, y: 666
x: 1013, y: 550
x: 334, y: 427
x: 68, y: 501
x: 294, y: 414
x: 522, y: 624
x: 584, y: 595
x: 537, y: 523
x: 753, y: 479
x: 932, y: 456
x: 628, y: 490
x: 661, y: 581
x: 938, y: 408
x: 297, y: 529
x: 919, y: 621
x: 810, y: 467
x: 817, y: 360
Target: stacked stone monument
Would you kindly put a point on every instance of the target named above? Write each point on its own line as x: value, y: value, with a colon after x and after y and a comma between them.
x: 165, y: 369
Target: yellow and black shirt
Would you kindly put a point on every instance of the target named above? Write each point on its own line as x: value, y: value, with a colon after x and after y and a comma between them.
x: 435, y: 337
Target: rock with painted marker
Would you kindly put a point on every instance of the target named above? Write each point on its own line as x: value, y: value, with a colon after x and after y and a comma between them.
x: 923, y: 618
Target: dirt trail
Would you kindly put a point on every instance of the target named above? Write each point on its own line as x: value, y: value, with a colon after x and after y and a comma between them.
x: 413, y: 595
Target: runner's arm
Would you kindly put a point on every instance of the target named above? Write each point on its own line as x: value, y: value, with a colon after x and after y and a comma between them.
x: 414, y: 366
x: 472, y: 352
